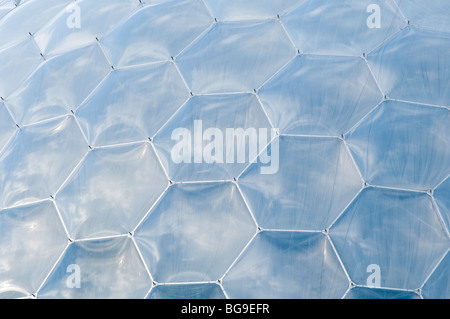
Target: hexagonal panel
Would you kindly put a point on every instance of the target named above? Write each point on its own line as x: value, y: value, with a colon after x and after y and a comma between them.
x: 236, y: 10
x: 403, y: 145
x: 112, y: 190
x: 374, y: 293
x: 342, y: 28
x: 158, y: 32
x: 16, y: 26
x: 324, y: 183
x: 442, y: 197
x: 214, y: 157
x: 420, y: 77
x: 310, y: 96
x: 288, y: 265
x: 31, y: 240
x: 7, y: 127
x: 107, y: 268
x: 430, y: 15
x: 187, y: 291
x: 59, y: 85
x: 195, y: 232
x: 35, y: 164
x: 132, y: 104
x: 438, y: 285
x: 235, y: 57
x: 396, y: 230
x: 96, y: 18
x: 17, y: 69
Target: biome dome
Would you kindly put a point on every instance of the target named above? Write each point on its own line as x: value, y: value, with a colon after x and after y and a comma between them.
x: 224, y: 149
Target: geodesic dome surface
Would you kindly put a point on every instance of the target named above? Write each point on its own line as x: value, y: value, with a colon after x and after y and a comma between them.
x: 344, y: 105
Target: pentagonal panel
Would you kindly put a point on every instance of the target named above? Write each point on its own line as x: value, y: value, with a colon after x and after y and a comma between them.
x: 195, y: 232
x: 438, y: 285
x: 374, y: 293
x: 7, y: 127
x: 17, y: 69
x: 288, y: 265
x: 17, y: 25
x: 31, y: 240
x: 81, y: 22
x: 325, y: 182
x: 235, y: 57
x: 403, y: 145
x: 310, y: 96
x: 158, y: 32
x: 187, y: 291
x: 132, y: 104
x: 35, y: 164
x: 107, y: 268
x: 442, y: 197
x: 213, y: 137
x: 420, y: 77
x: 430, y: 15
x: 383, y: 232
x: 111, y: 192
x: 235, y: 10
x: 346, y: 27
x: 59, y: 85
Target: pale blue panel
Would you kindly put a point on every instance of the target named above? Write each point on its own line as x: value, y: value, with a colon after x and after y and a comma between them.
x: 420, y: 77
x: 17, y: 69
x: 442, y: 197
x: 158, y: 32
x: 374, y: 293
x: 397, y: 230
x: 59, y: 85
x: 6, y: 6
x: 340, y: 27
x: 438, y: 285
x: 108, y: 268
x: 235, y: 57
x: 322, y: 186
x: 310, y: 96
x: 132, y: 104
x: 17, y: 25
x: 35, y: 164
x: 289, y: 265
x: 195, y: 232
x: 214, y: 111
x: 31, y: 240
x: 230, y: 10
x: 403, y: 145
x: 96, y: 18
x: 111, y: 191
x: 187, y: 291
x: 428, y: 14
x: 7, y: 127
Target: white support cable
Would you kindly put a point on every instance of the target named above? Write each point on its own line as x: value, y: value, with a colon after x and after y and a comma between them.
x: 439, y: 215
x: 165, y: 171
x: 68, y: 178
x: 66, y: 230
x: 107, y: 237
x: 247, y: 205
x: 427, y: 278
x: 341, y: 263
x: 52, y: 269
x: 239, y: 255
x: 170, y: 118
x: 158, y: 200
x: 352, y: 158
x: 147, y: 267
